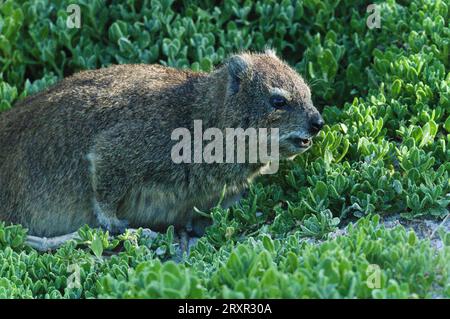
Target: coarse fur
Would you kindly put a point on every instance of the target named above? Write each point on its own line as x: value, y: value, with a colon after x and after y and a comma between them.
x: 96, y: 147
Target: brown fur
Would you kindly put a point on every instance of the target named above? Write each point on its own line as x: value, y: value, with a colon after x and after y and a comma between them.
x: 95, y: 148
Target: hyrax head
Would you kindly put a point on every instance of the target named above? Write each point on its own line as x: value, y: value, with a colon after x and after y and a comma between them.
x: 264, y: 92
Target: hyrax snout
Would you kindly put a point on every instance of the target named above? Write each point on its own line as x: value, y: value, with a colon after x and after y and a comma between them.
x: 97, y: 147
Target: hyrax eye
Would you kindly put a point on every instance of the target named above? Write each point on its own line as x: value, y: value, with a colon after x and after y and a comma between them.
x: 278, y: 101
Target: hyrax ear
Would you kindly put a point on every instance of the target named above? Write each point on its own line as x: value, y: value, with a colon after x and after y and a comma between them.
x: 270, y: 52
x: 238, y: 69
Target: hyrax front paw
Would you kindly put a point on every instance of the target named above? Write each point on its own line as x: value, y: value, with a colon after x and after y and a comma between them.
x: 116, y: 226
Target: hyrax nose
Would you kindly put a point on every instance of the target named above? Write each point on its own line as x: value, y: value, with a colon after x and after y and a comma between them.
x: 316, y: 123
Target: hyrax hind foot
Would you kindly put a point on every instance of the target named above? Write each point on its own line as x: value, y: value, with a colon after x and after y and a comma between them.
x: 186, y: 243
x: 116, y: 226
x: 110, y: 223
x: 108, y: 220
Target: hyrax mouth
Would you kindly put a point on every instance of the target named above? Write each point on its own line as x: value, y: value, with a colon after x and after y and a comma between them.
x: 300, y: 142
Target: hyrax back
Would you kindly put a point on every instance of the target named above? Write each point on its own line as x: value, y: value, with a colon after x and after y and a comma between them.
x: 96, y: 148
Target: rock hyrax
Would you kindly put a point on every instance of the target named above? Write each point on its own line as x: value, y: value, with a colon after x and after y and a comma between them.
x: 96, y: 147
